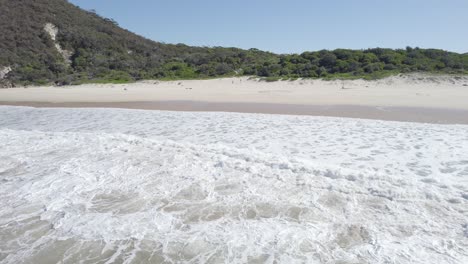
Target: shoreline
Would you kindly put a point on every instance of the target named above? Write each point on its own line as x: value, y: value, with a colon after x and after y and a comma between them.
x: 386, y: 113
x: 408, y: 98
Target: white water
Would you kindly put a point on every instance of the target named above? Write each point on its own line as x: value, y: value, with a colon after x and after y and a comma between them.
x: 129, y: 186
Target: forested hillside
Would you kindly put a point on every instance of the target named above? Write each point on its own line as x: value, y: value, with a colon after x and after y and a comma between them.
x: 53, y: 41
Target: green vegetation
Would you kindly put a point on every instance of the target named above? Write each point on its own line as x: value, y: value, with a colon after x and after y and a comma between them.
x: 101, y: 51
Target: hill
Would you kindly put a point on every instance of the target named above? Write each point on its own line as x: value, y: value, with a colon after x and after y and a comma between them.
x: 63, y: 44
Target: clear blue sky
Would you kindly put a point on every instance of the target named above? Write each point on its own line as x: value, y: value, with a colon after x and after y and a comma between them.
x: 294, y: 26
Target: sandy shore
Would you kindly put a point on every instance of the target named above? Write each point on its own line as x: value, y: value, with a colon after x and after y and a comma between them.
x: 417, y: 98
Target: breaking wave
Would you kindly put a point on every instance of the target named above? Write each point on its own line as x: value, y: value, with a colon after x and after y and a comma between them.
x: 165, y: 187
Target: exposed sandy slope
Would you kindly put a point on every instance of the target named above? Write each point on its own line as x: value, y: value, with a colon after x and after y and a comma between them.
x: 409, y: 91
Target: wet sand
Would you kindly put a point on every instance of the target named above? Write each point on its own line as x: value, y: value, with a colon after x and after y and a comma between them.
x: 404, y: 114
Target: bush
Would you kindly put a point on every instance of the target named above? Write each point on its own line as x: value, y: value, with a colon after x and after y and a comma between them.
x: 116, y: 77
x: 373, y: 67
x: 178, y: 70
x: 223, y: 69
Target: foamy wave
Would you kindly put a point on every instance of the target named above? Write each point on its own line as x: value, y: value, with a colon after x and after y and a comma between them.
x: 96, y: 196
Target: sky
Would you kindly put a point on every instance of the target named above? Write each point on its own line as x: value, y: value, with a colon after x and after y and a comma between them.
x: 294, y: 26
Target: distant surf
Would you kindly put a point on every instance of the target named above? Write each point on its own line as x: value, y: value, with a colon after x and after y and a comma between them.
x: 136, y: 186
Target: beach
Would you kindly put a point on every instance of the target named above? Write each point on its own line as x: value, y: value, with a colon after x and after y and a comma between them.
x: 210, y: 132
x: 417, y: 98
x: 236, y: 170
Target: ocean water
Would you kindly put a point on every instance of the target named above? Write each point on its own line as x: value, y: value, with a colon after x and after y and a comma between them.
x: 134, y: 186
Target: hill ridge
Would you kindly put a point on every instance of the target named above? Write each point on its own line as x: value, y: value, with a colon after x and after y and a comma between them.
x: 86, y: 47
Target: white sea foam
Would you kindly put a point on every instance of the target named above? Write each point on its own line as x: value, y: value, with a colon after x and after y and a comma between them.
x: 129, y: 186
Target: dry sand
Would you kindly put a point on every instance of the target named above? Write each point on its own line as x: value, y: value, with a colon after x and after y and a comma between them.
x: 420, y: 98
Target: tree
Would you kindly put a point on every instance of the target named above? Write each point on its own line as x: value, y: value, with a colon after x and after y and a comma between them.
x: 223, y: 69
x: 327, y: 60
